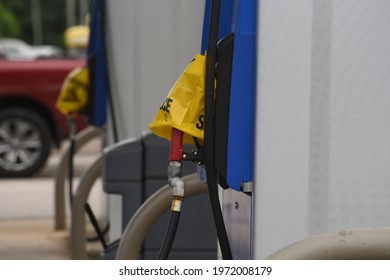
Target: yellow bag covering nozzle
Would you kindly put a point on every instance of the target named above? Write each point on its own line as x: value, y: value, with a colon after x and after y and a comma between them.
x: 74, y: 92
x: 183, y: 108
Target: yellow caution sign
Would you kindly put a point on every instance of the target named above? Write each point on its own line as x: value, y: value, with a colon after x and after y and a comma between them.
x: 183, y: 108
x: 74, y: 92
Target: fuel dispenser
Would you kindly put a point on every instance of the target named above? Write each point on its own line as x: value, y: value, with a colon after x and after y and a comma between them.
x: 225, y: 153
x: 308, y: 171
x: 87, y: 90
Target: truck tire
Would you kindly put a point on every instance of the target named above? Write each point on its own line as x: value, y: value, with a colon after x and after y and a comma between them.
x: 25, y: 142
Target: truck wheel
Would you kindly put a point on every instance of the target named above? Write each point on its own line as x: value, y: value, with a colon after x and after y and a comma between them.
x: 24, y: 142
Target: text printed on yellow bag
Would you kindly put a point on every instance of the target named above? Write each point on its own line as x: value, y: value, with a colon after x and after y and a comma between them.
x: 183, y: 108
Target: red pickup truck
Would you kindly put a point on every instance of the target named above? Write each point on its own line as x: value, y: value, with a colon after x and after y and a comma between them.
x: 29, y: 123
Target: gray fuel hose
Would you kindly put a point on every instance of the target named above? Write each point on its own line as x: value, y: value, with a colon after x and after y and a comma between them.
x: 352, y: 244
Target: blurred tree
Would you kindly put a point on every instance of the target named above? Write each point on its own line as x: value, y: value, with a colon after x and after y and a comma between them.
x: 53, y: 17
x: 53, y: 21
x: 9, y: 26
x: 21, y: 10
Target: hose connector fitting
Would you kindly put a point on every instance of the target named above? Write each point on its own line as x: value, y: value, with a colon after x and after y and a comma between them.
x: 174, y: 170
x: 179, y: 187
x: 176, y: 204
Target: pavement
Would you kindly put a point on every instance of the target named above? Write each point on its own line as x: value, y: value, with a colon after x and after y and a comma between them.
x: 32, y: 239
x: 27, y: 211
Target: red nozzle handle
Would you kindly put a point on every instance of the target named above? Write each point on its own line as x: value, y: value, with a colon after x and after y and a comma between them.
x: 176, y: 148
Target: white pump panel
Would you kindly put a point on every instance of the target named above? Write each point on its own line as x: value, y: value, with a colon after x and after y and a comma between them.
x: 323, y: 119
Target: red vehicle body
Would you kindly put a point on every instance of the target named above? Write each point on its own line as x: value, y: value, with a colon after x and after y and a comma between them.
x: 28, y: 92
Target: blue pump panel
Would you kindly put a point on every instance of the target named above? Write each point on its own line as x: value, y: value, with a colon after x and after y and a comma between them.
x: 240, y: 152
x: 225, y: 21
x: 96, y: 108
x: 234, y: 117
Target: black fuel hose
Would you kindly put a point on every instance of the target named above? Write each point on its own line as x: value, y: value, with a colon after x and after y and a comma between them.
x: 95, y: 224
x: 72, y: 149
x: 70, y: 168
x: 169, y: 236
x: 99, y: 232
x: 209, y: 130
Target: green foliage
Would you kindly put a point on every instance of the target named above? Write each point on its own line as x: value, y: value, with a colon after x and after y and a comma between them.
x: 21, y: 11
x: 52, y: 15
x: 9, y: 26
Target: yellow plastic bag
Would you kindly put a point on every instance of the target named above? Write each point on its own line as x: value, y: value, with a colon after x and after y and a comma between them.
x: 183, y: 108
x: 74, y: 92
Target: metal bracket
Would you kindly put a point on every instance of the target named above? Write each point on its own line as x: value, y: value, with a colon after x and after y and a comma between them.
x: 196, y: 155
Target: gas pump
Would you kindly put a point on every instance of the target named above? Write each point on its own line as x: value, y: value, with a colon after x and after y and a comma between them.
x: 86, y: 90
x: 227, y: 151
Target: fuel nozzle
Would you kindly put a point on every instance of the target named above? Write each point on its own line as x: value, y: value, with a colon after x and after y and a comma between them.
x: 174, y: 169
x: 178, y: 190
